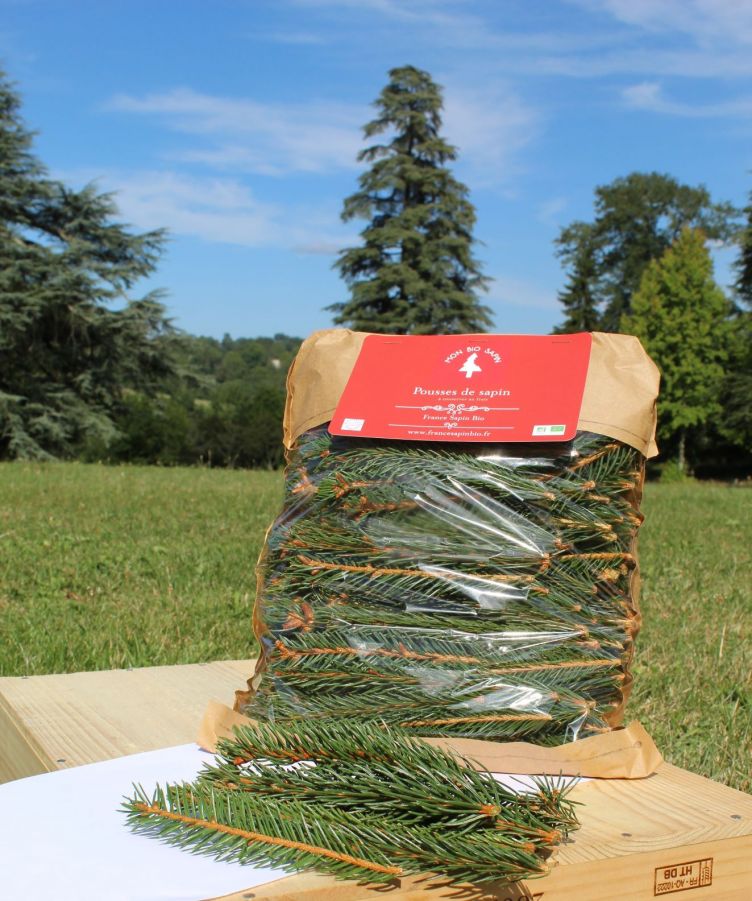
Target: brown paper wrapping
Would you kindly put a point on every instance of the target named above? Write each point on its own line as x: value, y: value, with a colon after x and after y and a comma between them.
x: 628, y: 753
x: 619, y: 400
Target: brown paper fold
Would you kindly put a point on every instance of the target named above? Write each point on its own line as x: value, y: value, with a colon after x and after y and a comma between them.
x: 619, y: 399
x: 218, y: 722
x: 628, y: 753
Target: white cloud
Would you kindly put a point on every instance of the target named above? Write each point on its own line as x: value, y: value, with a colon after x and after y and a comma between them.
x: 243, y: 135
x: 489, y: 127
x: 232, y: 137
x: 451, y: 24
x: 216, y: 209
x: 323, y: 247
x: 648, y: 95
x: 548, y: 212
x: 729, y: 21
x: 425, y: 13
x: 522, y: 293
x: 266, y: 138
x: 645, y: 95
x: 685, y: 38
x: 647, y: 60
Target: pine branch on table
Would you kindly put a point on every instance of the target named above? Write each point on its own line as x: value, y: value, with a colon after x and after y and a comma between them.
x: 365, y: 802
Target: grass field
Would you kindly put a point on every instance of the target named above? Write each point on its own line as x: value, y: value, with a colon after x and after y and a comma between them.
x: 111, y: 567
x: 106, y: 567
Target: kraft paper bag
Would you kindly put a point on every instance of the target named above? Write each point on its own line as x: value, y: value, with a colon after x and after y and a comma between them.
x: 619, y: 399
x: 627, y: 753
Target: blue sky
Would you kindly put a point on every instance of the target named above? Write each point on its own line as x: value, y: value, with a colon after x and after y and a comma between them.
x: 236, y: 125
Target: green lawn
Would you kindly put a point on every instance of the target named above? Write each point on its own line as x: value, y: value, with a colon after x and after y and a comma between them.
x: 693, y: 666
x: 106, y: 567
x: 109, y: 567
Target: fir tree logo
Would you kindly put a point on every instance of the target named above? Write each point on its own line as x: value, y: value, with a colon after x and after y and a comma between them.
x: 470, y: 366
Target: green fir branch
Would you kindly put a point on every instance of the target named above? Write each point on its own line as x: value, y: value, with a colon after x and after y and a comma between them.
x: 363, y: 802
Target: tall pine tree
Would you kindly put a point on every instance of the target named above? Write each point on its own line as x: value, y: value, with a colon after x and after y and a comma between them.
x: 415, y: 272
x: 682, y: 318
x: 70, y: 338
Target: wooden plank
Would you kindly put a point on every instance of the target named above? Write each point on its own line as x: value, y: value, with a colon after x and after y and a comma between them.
x: 633, y: 831
x: 58, y: 721
x: 670, y: 808
x: 20, y: 752
x: 637, y: 877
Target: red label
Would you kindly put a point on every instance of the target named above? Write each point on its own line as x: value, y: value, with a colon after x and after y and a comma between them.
x: 465, y: 388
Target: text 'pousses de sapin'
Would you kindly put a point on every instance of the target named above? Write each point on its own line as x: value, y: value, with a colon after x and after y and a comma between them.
x: 464, y: 392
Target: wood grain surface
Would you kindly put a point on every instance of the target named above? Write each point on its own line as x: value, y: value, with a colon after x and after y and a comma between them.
x: 633, y: 832
x: 51, y: 722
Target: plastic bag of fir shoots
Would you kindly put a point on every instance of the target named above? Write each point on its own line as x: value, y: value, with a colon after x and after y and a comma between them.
x: 456, y: 553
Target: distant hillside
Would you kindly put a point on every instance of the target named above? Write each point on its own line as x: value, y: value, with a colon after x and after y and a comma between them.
x: 224, y: 409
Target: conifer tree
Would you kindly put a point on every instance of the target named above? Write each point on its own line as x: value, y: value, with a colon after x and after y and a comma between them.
x: 737, y: 390
x: 637, y: 218
x: 579, y: 295
x: 743, y: 267
x: 736, y: 396
x: 66, y: 355
x: 682, y: 318
x: 415, y: 272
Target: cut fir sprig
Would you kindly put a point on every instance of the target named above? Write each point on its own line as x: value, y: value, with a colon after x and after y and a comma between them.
x: 369, y: 803
x: 383, y: 770
x: 231, y: 825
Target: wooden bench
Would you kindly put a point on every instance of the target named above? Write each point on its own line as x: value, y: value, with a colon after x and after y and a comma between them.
x: 640, y: 839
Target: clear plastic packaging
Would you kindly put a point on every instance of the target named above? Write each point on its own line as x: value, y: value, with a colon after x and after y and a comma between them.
x: 474, y: 590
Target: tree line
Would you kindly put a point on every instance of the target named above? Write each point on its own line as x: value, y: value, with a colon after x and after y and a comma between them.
x: 642, y: 266
x: 90, y: 372
x: 222, y: 407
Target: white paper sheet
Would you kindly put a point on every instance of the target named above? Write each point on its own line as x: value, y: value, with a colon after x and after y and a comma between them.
x: 62, y: 837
